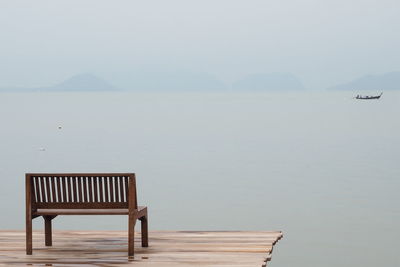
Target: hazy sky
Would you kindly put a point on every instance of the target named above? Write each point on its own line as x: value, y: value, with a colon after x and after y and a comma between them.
x: 322, y: 42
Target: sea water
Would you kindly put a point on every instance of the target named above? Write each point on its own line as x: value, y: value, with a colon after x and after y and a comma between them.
x: 320, y: 166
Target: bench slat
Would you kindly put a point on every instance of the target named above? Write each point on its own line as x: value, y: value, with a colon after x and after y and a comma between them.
x: 42, y: 191
x: 64, y: 190
x: 37, y: 191
x: 79, y: 181
x: 89, y: 188
x: 106, y: 188
x: 117, y: 199
x: 69, y: 189
x: 47, y: 185
x: 112, y: 189
x: 101, y: 189
x: 74, y: 191
x: 85, y: 189
x: 126, y: 189
x: 58, y: 183
x: 121, y: 188
x: 95, y: 190
x: 53, y: 189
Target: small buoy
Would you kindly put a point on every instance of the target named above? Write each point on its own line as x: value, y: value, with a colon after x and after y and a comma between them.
x: 42, y: 149
x: 59, y: 127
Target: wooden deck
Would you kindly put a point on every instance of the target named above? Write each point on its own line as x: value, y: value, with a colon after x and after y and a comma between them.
x: 167, y: 248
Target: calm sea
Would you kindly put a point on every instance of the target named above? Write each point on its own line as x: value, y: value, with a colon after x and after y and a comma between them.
x: 320, y: 166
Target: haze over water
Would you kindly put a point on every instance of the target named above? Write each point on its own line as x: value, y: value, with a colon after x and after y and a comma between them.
x: 320, y: 166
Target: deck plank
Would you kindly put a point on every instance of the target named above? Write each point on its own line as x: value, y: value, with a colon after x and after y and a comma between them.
x: 167, y: 248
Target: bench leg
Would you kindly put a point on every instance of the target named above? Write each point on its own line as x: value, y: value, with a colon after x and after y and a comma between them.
x: 28, y: 235
x: 47, y: 230
x: 131, y: 234
x: 145, y: 231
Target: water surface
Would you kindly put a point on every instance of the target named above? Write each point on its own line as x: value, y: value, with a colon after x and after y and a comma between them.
x: 320, y: 166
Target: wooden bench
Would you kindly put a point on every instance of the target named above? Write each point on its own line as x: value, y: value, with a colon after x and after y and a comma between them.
x: 53, y: 194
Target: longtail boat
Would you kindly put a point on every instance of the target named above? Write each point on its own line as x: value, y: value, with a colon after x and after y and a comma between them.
x: 368, y: 97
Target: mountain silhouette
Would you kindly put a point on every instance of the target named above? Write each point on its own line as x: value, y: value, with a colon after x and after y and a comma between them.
x: 268, y: 82
x: 80, y: 82
x: 386, y: 81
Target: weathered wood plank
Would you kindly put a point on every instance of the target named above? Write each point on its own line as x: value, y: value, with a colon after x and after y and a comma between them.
x: 167, y: 248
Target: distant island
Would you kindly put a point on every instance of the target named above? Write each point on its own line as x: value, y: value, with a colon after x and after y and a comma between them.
x: 82, y: 82
x: 170, y: 81
x: 146, y: 81
x: 181, y: 81
x: 268, y: 82
x: 386, y: 81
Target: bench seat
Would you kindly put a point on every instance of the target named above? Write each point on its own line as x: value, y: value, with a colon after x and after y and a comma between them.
x: 41, y: 212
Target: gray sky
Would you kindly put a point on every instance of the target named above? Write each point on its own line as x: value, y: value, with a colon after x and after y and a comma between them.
x: 322, y: 42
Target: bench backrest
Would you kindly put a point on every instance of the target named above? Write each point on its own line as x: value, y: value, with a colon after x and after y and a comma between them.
x: 81, y: 190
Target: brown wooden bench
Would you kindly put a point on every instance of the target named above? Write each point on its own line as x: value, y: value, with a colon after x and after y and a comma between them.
x: 53, y: 194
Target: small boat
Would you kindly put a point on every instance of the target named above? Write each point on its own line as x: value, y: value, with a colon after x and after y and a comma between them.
x: 368, y: 97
